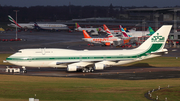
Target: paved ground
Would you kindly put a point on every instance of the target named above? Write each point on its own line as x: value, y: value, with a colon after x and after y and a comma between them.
x: 73, y: 41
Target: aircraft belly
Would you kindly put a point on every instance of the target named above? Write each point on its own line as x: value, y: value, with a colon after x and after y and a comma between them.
x: 32, y: 63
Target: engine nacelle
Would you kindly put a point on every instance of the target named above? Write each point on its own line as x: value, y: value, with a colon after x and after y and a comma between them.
x: 99, y: 66
x: 72, y: 68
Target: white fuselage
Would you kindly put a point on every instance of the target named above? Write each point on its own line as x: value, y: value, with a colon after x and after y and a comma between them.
x: 102, y: 40
x: 53, y: 26
x: 87, y: 29
x: 23, y: 25
x: 137, y: 33
x: 51, y: 57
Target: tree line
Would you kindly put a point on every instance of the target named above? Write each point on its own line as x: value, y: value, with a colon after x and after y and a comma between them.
x: 53, y: 13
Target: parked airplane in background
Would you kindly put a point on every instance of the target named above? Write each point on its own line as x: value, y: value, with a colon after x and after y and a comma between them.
x: 134, y: 33
x: 37, y: 26
x: 20, y: 25
x: 103, y: 41
x: 114, y: 32
x: 93, y: 31
x: 151, y: 31
x: 121, y: 32
x: 51, y: 26
x: 107, y: 41
x: 90, y: 60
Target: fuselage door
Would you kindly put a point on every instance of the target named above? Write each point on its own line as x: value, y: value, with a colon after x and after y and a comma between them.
x: 29, y: 58
x: 104, y: 57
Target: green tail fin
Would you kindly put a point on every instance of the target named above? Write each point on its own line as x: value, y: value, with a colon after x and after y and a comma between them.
x: 151, y: 31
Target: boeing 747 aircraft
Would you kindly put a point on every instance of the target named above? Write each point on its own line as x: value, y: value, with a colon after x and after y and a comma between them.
x: 90, y: 60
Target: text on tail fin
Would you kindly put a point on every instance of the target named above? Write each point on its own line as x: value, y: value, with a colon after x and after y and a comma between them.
x: 158, y: 39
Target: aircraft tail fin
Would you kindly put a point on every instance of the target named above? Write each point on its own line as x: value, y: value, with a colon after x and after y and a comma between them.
x: 86, y: 35
x: 77, y: 25
x: 123, y: 31
x: 13, y: 21
x: 151, y: 31
x: 157, y: 41
x: 36, y: 26
x: 107, y: 31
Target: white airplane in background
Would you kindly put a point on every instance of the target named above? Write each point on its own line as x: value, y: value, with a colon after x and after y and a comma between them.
x: 134, y: 33
x: 107, y: 41
x: 51, y: 26
x: 93, y: 31
x: 37, y: 26
x: 20, y: 25
x: 89, y: 60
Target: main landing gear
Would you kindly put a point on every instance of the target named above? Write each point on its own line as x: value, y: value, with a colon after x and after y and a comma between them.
x: 87, y: 69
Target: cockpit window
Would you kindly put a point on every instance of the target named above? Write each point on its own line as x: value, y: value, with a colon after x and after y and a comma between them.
x: 19, y: 51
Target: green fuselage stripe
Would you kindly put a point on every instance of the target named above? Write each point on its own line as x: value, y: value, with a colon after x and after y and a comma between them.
x: 153, y: 48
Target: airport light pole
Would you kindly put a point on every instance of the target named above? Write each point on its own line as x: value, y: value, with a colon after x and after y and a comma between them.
x: 16, y: 21
x: 143, y: 28
x: 175, y: 22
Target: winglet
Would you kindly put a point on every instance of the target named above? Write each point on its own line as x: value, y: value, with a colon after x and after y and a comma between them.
x: 86, y: 35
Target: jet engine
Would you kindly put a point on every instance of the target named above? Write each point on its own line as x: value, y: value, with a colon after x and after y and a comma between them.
x: 71, y: 68
x: 99, y: 66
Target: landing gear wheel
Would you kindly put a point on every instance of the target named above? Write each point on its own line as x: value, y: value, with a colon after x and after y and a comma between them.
x: 24, y: 69
x: 83, y: 70
x: 87, y: 69
x: 91, y: 69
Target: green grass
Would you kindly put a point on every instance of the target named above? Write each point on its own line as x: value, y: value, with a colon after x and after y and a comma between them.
x: 3, y: 57
x: 21, y: 88
x: 15, y: 87
x: 158, y: 62
x: 172, y: 94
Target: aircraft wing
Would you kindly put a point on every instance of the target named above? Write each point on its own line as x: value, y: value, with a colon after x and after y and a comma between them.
x: 98, y: 65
